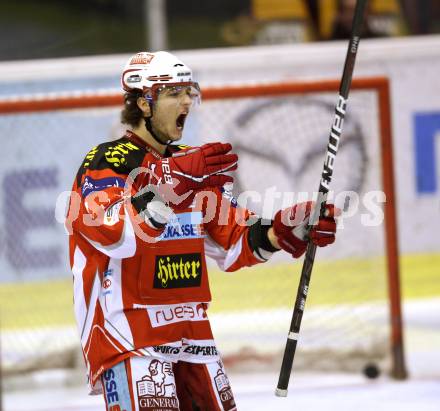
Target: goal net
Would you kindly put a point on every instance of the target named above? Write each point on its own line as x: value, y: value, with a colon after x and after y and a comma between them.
x: 280, y: 132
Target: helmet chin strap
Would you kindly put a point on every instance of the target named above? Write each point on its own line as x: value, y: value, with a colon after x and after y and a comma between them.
x: 149, y: 127
x: 148, y: 124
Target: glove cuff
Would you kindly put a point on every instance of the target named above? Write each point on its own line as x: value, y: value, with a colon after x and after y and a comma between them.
x: 258, y: 240
x: 287, y: 239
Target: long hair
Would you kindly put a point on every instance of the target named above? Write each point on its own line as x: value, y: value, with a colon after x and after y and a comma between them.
x: 131, y: 114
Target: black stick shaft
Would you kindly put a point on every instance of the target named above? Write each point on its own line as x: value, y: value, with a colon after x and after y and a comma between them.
x: 326, y: 177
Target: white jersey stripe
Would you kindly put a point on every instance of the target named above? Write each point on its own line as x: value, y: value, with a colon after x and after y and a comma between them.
x: 233, y: 254
x: 116, y: 322
x: 223, y: 258
x: 88, y: 320
x: 79, y: 302
x: 125, y: 247
x: 214, y: 251
x: 86, y: 352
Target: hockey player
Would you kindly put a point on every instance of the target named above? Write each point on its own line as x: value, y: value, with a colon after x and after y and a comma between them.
x: 143, y: 214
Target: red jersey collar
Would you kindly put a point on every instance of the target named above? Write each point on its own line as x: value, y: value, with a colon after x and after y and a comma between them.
x: 138, y: 141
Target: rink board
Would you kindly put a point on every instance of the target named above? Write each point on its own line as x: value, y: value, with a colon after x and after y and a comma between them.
x: 47, y: 303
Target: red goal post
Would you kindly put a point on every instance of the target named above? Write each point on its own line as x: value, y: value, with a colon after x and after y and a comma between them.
x: 380, y: 85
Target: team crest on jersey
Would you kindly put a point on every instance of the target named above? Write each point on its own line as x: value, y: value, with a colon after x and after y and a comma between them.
x: 184, y: 226
x: 157, y: 390
x: 111, y: 216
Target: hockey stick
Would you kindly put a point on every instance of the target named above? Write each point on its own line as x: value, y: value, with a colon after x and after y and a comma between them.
x: 326, y: 177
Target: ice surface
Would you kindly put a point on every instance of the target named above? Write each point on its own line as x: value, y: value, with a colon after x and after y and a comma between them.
x: 256, y: 392
x: 307, y: 391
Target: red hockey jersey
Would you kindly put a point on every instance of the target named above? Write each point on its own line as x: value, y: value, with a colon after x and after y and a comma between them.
x: 140, y: 290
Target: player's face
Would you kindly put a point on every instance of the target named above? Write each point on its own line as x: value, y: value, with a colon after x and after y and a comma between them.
x: 171, y: 109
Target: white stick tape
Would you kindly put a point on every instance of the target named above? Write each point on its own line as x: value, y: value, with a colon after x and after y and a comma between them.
x: 280, y: 393
x: 293, y: 336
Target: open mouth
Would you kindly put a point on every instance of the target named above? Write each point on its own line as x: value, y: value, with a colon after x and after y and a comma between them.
x: 180, y: 122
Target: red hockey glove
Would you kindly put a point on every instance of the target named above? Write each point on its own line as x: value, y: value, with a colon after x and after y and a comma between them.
x: 290, y: 227
x: 177, y: 177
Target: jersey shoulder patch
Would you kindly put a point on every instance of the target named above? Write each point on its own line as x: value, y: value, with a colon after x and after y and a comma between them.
x: 120, y: 155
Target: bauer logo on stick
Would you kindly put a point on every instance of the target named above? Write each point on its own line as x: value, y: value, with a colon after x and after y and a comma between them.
x: 333, y: 144
x: 326, y: 177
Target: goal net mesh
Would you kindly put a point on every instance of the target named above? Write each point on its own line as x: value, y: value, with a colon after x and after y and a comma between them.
x: 281, y: 142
